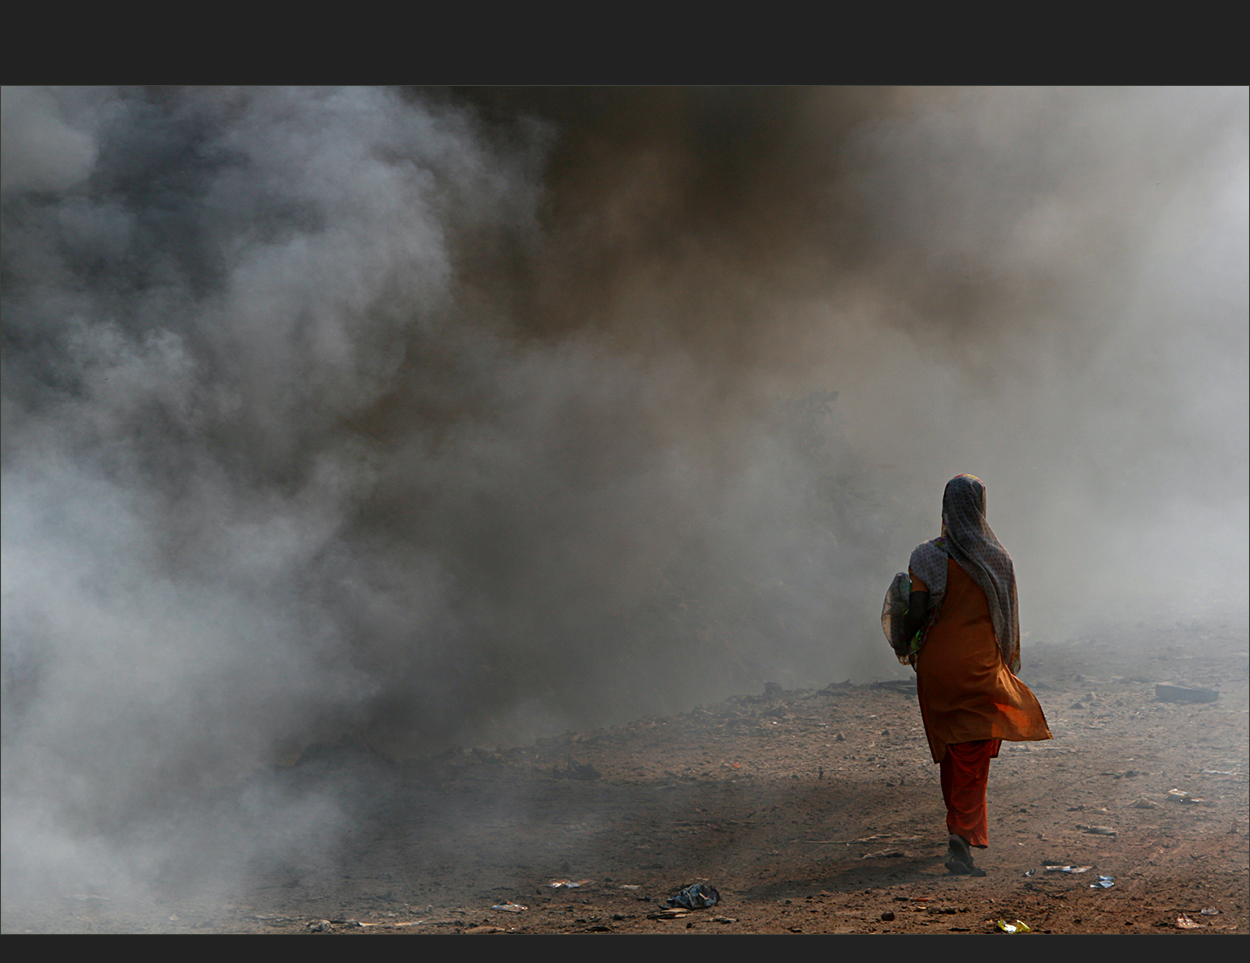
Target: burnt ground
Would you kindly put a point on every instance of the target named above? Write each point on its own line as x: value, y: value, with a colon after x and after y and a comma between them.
x: 810, y: 811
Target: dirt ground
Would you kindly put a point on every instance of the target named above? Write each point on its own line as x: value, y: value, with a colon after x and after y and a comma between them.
x: 809, y: 811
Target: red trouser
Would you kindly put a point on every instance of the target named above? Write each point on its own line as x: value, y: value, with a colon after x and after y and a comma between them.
x: 965, y: 773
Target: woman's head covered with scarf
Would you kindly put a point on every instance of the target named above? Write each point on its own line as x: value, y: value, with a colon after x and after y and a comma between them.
x: 971, y: 542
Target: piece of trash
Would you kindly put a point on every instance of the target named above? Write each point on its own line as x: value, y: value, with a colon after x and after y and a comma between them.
x: 1017, y: 927
x: 1170, y: 692
x: 1219, y: 772
x: 1104, y: 882
x: 1067, y: 869
x: 1209, y: 911
x: 1030, y: 872
x: 509, y: 907
x: 724, y: 919
x: 1183, y: 922
x: 570, y: 883
x: 631, y: 886
x: 319, y: 926
x: 1179, y: 795
x: 1097, y: 830
x: 668, y: 914
x: 697, y: 896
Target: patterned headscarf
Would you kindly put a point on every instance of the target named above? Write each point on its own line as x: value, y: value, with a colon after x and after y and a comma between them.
x: 969, y: 540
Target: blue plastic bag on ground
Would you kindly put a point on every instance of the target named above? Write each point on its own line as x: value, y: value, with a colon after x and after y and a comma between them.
x: 698, y: 896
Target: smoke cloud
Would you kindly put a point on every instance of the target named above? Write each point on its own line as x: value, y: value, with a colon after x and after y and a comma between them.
x: 444, y: 416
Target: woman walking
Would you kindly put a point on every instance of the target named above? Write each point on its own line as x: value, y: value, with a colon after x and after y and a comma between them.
x: 964, y: 632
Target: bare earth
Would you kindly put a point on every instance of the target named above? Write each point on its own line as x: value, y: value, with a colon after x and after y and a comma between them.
x: 810, y: 811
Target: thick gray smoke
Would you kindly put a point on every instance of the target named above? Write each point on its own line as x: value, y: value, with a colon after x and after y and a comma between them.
x: 441, y: 416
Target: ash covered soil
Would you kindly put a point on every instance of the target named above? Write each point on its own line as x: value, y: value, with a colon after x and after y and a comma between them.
x: 810, y: 811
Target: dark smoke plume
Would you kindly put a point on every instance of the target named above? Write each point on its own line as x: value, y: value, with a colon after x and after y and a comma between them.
x: 439, y: 416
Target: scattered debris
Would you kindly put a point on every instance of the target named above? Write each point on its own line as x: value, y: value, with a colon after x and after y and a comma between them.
x: 1067, y: 869
x: 509, y: 907
x: 1097, y: 830
x: 1170, y: 692
x: 696, y: 896
x: 1183, y: 922
x: 901, y: 686
x: 319, y: 926
x: 1104, y: 882
x: 1180, y: 796
x: 574, y: 884
x: 585, y: 773
x: 1017, y: 927
x: 1209, y: 911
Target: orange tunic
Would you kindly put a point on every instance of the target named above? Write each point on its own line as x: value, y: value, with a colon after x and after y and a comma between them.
x: 966, y: 693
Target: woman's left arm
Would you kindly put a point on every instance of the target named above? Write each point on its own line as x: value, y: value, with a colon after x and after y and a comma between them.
x: 917, y: 612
